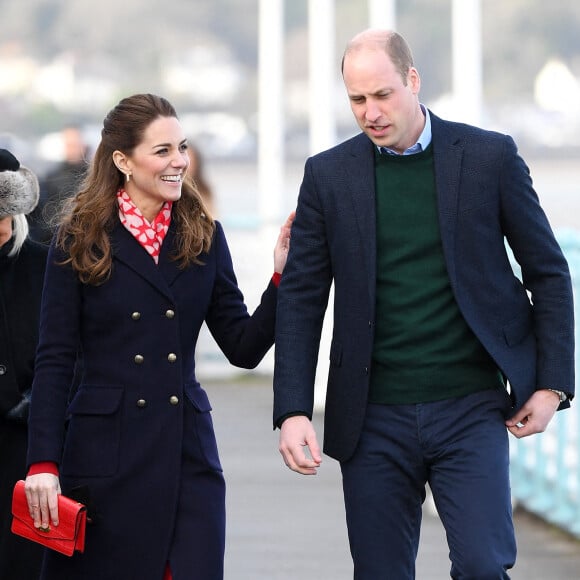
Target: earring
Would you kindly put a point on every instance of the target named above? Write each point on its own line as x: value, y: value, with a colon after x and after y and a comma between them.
x: 128, y: 176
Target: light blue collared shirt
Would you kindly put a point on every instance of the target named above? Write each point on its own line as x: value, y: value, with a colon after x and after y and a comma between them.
x: 423, y: 141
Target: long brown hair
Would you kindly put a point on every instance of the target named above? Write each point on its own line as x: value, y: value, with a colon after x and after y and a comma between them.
x: 86, y: 227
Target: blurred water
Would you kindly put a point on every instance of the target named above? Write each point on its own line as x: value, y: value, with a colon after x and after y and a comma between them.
x: 558, y: 185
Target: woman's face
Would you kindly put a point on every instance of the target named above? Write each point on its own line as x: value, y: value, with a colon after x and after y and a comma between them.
x: 157, y: 166
x: 5, y: 229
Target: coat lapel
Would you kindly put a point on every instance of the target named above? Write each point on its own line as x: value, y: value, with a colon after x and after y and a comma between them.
x: 127, y: 249
x: 168, y: 267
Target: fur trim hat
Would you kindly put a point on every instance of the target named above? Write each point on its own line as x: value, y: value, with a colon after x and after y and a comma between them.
x: 19, y: 188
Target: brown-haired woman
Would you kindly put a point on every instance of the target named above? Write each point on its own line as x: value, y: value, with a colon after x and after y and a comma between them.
x: 136, y: 268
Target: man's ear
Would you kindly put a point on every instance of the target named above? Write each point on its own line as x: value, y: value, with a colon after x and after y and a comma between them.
x: 414, y: 80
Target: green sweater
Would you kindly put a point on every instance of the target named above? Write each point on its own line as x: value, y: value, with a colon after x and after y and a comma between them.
x: 423, y: 349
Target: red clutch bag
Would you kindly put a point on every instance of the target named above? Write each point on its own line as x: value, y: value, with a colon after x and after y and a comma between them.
x: 65, y: 538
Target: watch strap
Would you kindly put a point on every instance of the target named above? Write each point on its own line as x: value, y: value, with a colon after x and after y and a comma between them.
x: 563, y: 396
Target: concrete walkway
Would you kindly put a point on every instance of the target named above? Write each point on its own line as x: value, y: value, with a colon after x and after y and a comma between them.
x: 282, y: 526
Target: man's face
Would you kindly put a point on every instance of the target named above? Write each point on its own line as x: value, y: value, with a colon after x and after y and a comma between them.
x: 385, y: 108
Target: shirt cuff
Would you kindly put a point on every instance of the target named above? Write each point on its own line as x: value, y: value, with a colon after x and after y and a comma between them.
x: 43, y: 467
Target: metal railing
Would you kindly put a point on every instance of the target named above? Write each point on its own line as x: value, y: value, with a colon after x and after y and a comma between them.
x: 545, y: 468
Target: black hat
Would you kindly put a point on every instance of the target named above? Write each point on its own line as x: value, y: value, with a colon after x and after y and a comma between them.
x: 19, y: 188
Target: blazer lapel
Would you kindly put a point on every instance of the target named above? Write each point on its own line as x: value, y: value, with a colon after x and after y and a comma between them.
x: 358, y: 168
x: 448, y: 155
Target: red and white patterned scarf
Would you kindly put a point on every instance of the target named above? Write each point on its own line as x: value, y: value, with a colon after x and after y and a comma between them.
x: 149, y: 235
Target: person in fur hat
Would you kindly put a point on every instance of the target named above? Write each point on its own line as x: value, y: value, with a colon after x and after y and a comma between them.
x: 22, y: 264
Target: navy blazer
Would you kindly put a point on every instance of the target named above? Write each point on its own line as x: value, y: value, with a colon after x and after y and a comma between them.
x: 124, y: 423
x: 485, y: 199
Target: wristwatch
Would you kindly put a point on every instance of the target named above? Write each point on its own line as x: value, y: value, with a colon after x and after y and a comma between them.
x: 563, y: 396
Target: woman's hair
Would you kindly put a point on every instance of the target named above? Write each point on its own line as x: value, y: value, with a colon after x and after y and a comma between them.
x: 93, y: 212
x: 19, y: 233
x: 197, y: 172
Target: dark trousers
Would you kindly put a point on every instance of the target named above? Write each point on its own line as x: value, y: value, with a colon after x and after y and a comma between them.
x: 460, y: 447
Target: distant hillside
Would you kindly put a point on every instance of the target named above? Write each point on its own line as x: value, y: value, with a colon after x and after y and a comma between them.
x: 519, y: 35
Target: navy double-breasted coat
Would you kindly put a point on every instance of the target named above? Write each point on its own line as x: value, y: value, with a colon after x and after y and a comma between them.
x: 120, y: 431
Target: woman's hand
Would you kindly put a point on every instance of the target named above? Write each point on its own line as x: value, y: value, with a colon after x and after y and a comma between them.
x: 42, y: 490
x: 283, y: 244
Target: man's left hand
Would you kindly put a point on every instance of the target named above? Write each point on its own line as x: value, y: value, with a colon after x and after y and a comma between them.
x: 535, y: 415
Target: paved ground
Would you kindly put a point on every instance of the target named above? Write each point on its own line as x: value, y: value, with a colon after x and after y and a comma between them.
x: 282, y: 526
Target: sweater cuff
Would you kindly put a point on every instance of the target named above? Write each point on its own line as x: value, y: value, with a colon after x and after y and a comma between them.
x: 276, y: 279
x: 43, y: 467
x: 283, y: 418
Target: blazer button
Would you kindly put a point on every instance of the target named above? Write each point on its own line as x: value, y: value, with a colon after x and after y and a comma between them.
x: 141, y: 403
x: 174, y: 400
x: 3, y: 369
x: 136, y: 315
x: 170, y: 314
x: 171, y: 357
x: 139, y: 359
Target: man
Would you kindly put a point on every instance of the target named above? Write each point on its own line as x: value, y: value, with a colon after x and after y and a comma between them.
x: 437, y: 347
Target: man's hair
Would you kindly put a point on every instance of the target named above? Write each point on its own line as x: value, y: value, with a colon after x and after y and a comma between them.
x: 394, y: 45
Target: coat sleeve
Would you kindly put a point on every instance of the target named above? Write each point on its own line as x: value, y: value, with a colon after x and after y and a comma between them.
x: 243, y: 339
x: 55, y: 359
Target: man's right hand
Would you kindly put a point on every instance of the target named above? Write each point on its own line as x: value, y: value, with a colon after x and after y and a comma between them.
x: 296, y: 433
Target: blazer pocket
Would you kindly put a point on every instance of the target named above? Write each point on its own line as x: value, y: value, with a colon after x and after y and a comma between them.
x: 517, y: 330
x: 93, y: 434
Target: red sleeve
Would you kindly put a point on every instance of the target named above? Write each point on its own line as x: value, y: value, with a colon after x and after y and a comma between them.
x: 43, y: 467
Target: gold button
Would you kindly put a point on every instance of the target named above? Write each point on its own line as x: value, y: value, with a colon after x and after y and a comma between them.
x: 141, y: 403
x: 171, y: 357
x: 174, y: 400
x: 136, y: 315
x: 139, y: 359
x: 170, y: 314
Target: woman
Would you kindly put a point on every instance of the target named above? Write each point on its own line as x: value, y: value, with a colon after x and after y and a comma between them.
x: 136, y: 267
x: 22, y: 263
